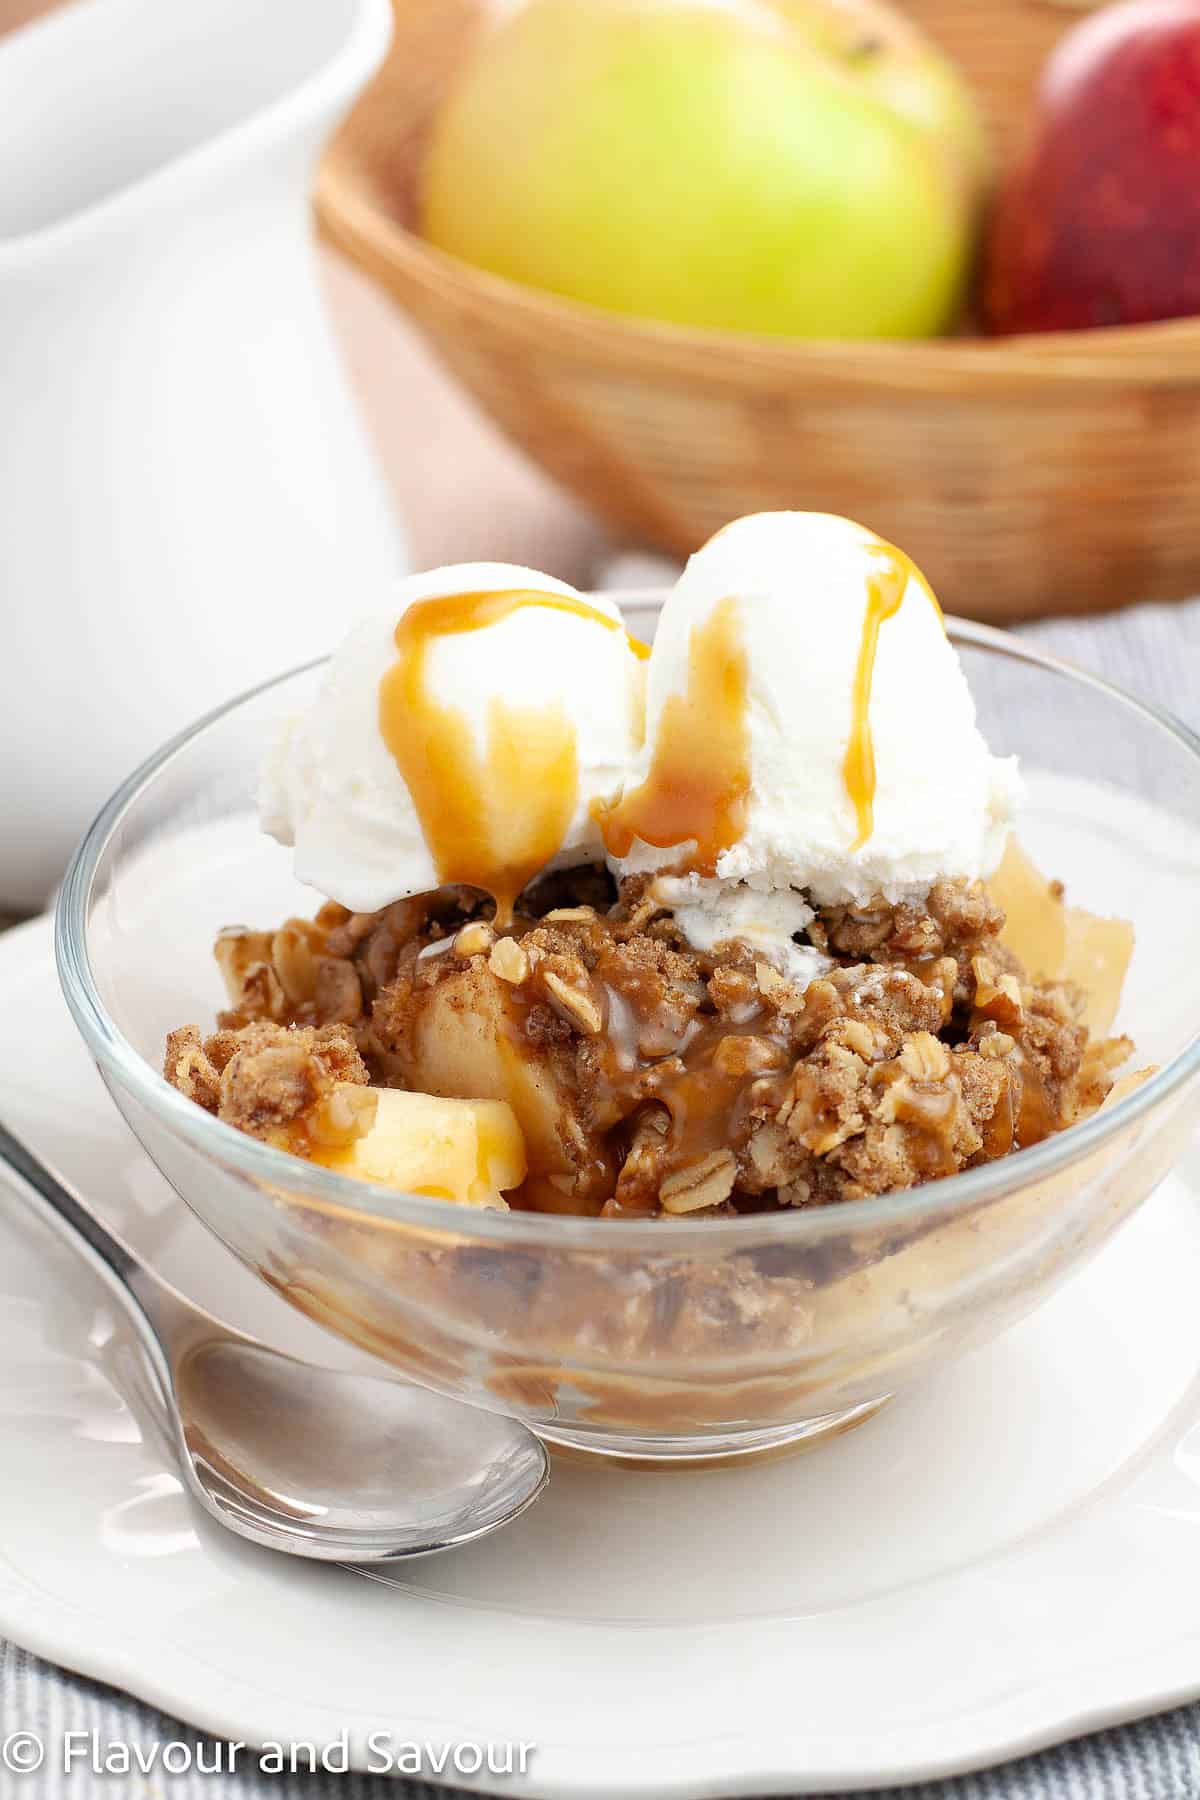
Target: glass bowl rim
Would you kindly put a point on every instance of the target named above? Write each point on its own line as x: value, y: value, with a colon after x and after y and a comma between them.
x: 276, y: 1170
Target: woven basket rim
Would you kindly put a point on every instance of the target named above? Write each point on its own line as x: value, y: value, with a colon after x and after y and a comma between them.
x: 1165, y: 351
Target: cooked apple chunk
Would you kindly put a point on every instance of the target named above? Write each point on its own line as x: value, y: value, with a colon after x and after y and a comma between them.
x: 1057, y: 942
x: 470, y: 1151
x: 471, y: 1034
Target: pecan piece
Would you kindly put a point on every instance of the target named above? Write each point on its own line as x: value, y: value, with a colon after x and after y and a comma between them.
x: 509, y: 962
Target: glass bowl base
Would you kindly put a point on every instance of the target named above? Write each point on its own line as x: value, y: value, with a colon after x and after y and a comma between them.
x: 631, y: 1452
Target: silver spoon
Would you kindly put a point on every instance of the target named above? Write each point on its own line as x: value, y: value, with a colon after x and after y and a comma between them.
x: 315, y: 1462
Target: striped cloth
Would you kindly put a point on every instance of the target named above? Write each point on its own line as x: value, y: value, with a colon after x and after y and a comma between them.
x: 1155, y: 650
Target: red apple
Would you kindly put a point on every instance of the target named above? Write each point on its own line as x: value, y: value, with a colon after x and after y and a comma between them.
x: 1099, y: 223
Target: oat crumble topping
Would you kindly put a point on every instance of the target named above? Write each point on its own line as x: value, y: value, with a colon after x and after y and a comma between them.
x: 658, y: 1080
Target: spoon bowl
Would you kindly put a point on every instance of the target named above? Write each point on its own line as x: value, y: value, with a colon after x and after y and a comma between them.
x: 354, y: 1466
x: 335, y: 1466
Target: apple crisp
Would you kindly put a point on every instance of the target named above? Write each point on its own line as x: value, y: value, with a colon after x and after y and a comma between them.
x: 649, y: 1079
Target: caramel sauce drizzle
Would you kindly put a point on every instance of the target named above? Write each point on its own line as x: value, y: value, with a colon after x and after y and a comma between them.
x: 707, y: 1095
x: 886, y: 589
x: 491, y: 821
x: 699, y: 779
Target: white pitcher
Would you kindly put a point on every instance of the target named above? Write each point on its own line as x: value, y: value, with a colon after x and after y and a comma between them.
x: 187, y: 501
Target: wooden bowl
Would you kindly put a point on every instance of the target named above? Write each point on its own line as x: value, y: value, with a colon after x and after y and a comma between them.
x: 1029, y: 475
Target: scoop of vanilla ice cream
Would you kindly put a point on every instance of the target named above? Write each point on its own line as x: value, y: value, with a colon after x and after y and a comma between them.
x: 942, y: 802
x: 332, y: 788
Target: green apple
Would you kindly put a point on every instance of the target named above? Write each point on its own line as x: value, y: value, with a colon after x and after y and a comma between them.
x: 809, y: 168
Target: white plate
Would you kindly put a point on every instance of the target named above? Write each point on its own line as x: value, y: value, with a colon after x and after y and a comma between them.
x: 1008, y: 1557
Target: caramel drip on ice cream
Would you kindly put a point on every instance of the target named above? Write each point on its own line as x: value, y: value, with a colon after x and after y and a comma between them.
x: 699, y: 778
x: 493, y: 818
x: 886, y: 589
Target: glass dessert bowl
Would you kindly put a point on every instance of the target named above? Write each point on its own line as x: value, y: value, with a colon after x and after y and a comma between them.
x: 694, y: 1335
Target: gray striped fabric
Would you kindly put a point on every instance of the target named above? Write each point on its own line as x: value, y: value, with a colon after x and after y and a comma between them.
x: 1154, y: 650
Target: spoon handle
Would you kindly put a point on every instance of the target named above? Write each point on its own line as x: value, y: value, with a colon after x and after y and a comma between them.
x: 161, y: 1312
x: 65, y: 1208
